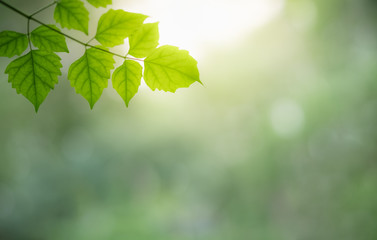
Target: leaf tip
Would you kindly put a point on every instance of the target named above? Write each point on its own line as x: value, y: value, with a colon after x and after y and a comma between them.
x: 36, y: 108
x: 127, y: 102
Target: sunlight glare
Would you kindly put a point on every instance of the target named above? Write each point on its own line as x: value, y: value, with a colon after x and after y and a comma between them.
x: 197, y: 25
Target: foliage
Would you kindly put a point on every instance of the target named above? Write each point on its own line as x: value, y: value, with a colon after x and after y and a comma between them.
x: 116, y: 25
x: 126, y: 79
x: 34, y: 74
x: 89, y: 74
x: 144, y: 40
x: 12, y: 43
x: 170, y: 63
x: 46, y: 39
x: 72, y: 14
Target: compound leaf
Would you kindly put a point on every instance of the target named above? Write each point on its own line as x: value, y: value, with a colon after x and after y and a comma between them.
x: 169, y: 68
x: 49, y: 40
x: 116, y: 25
x: 72, y: 14
x: 34, y: 75
x: 12, y: 43
x: 144, y: 40
x: 90, y: 73
x: 126, y: 79
x: 99, y: 3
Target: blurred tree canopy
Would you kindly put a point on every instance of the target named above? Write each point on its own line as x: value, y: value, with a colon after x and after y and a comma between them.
x: 280, y: 144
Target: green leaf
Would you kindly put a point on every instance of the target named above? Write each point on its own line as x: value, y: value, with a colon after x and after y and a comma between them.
x: 169, y: 68
x: 116, y: 25
x: 90, y: 73
x: 49, y: 40
x: 99, y: 3
x: 12, y: 43
x: 126, y: 79
x: 144, y: 40
x: 72, y: 14
x: 34, y: 75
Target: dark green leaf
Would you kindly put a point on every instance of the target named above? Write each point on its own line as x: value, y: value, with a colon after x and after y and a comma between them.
x: 116, y: 25
x: 72, y: 14
x: 144, y: 40
x: 46, y: 39
x: 12, y: 43
x: 34, y: 75
x: 89, y: 74
x: 169, y: 68
x: 126, y: 79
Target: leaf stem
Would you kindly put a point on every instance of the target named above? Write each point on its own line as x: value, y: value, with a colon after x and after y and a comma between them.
x: 136, y: 59
x: 90, y: 40
x: 30, y: 17
x: 28, y: 32
x: 40, y: 10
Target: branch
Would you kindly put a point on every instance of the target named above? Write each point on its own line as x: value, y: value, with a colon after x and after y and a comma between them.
x: 30, y: 17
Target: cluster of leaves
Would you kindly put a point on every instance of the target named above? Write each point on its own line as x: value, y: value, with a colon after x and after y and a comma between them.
x: 35, y: 74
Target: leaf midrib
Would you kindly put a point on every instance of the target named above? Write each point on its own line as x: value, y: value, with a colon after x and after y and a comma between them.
x: 113, y: 25
x: 90, y: 80
x: 14, y: 39
x: 173, y: 69
x: 72, y: 13
x: 143, y: 36
x: 35, y: 85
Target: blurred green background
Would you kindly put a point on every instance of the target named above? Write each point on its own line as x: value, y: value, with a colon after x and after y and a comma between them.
x: 280, y: 143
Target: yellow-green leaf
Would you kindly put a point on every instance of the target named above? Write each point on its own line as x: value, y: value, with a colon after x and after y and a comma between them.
x: 49, y: 40
x: 116, y: 25
x: 126, y: 79
x: 34, y: 75
x: 144, y: 40
x: 72, y: 14
x: 12, y: 43
x: 169, y: 68
x: 99, y: 3
x: 89, y: 74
